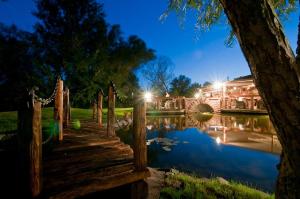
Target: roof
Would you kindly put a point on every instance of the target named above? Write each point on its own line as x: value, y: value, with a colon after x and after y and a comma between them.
x: 243, y: 77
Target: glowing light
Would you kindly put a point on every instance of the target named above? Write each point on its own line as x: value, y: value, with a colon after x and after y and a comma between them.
x: 218, y: 140
x: 197, y: 95
x: 241, y: 127
x: 217, y: 85
x: 207, y: 94
x: 148, y: 96
x: 149, y: 127
x: 234, y: 88
x: 76, y: 124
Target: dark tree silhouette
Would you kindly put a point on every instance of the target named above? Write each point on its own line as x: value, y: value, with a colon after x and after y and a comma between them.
x: 77, y: 43
x: 182, y: 86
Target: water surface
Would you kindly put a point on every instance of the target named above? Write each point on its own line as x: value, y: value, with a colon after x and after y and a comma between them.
x: 242, y: 148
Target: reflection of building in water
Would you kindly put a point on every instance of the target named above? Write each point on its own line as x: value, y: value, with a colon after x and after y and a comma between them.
x: 244, y: 131
x: 253, y: 132
x: 166, y: 123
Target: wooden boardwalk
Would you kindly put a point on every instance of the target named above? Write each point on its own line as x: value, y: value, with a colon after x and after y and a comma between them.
x: 88, y: 161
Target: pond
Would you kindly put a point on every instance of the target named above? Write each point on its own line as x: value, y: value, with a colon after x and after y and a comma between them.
x: 238, y: 147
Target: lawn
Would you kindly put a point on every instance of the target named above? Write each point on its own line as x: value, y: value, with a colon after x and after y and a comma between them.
x: 180, y: 185
x: 8, y: 120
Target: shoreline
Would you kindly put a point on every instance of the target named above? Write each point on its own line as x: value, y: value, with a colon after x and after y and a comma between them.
x: 171, y: 183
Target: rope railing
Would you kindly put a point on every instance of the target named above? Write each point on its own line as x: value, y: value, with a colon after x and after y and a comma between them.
x: 47, y: 101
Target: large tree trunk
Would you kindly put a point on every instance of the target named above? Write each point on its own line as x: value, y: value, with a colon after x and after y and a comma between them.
x: 276, y: 74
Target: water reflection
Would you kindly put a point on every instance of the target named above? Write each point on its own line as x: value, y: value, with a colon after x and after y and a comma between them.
x: 253, y: 132
x: 242, y: 148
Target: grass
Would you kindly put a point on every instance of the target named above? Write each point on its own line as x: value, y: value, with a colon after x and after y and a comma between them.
x: 180, y: 185
x: 8, y: 120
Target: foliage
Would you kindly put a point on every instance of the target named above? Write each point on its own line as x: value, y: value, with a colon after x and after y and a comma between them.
x: 210, y: 12
x: 71, y: 39
x: 159, y: 74
x: 76, y: 42
x: 17, y: 72
x: 206, y: 84
x: 182, y: 86
x: 180, y: 185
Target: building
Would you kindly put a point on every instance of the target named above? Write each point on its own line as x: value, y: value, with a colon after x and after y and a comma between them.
x: 237, y: 95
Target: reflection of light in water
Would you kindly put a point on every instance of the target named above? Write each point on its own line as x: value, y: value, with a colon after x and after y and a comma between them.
x: 218, y: 140
x: 149, y: 127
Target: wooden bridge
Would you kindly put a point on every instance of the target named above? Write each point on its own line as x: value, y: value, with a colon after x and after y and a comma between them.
x: 83, y: 161
x: 88, y: 161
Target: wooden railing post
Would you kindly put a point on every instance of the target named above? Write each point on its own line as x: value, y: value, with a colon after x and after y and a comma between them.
x: 30, y: 149
x: 66, y: 108
x: 111, y: 111
x: 99, y: 108
x: 58, y: 110
x: 94, y: 110
x: 139, y: 135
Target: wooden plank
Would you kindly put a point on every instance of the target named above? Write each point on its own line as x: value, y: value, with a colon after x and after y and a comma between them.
x: 62, y: 180
x: 66, y: 159
x: 94, y: 185
x: 84, y: 166
x: 82, y: 145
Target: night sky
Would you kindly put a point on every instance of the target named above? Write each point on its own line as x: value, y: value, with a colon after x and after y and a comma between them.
x: 200, y: 56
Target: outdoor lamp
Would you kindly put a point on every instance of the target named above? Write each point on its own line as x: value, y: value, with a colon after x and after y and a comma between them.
x: 148, y: 96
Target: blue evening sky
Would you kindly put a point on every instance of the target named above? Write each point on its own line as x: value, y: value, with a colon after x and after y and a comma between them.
x: 202, y: 57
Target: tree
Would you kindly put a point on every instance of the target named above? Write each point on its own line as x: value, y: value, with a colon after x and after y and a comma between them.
x: 206, y: 83
x: 274, y: 68
x: 17, y: 71
x: 194, y: 88
x: 75, y: 41
x: 182, y: 86
x: 159, y: 74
